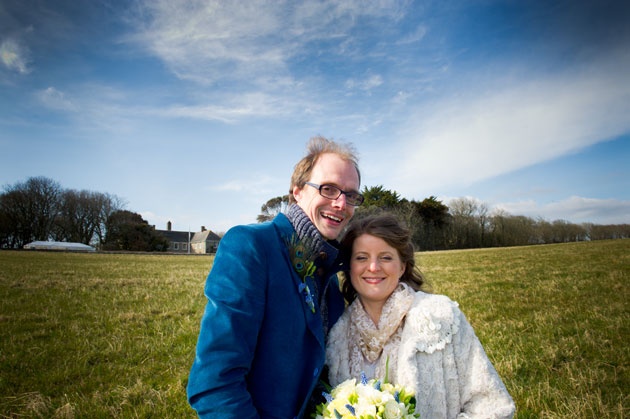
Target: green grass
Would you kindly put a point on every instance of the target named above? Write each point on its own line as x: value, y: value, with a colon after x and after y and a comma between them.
x: 554, y: 320
x: 96, y: 335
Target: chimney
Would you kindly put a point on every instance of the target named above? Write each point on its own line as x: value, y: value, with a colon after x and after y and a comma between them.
x: 203, y: 228
x: 168, y: 226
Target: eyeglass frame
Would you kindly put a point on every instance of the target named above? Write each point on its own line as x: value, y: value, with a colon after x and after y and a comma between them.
x: 341, y: 191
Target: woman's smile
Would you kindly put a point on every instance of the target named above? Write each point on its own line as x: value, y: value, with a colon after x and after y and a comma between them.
x: 373, y: 280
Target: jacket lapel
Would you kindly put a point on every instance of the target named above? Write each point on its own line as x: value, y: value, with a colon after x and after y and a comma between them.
x: 310, y: 307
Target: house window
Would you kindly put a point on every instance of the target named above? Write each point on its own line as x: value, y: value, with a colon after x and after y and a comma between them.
x: 176, y: 246
x: 184, y: 246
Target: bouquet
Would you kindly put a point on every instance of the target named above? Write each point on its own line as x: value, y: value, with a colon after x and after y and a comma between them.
x: 367, y: 400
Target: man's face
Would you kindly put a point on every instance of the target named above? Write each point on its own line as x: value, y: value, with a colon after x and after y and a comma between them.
x: 329, y: 216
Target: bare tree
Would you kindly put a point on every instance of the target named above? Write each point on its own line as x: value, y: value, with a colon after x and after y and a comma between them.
x: 83, y: 215
x: 74, y: 222
x: 30, y: 208
x: 465, y: 231
x: 107, y: 204
x: 482, y: 221
x: 39, y: 209
x: 8, y: 238
x: 607, y: 232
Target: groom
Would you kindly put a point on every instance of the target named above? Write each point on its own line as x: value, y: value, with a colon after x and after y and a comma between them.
x: 273, y: 295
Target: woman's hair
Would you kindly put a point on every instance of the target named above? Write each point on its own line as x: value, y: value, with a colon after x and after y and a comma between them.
x: 316, y: 147
x: 388, y: 228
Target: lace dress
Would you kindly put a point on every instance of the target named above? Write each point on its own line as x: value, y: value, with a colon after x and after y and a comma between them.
x: 432, y: 351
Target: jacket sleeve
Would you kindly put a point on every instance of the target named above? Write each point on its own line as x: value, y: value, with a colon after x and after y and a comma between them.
x: 483, y: 394
x: 236, y: 293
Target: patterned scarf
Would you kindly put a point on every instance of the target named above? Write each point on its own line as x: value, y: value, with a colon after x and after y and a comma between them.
x: 305, y: 229
x: 371, y: 343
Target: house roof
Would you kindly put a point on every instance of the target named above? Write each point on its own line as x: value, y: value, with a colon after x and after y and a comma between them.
x: 175, y: 236
x: 202, y: 236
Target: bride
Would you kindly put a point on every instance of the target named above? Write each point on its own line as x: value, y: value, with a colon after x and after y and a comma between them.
x: 423, y: 340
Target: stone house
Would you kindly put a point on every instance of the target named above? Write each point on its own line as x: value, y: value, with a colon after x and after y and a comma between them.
x: 204, y: 241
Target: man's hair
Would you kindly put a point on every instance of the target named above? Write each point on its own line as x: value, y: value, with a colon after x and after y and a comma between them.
x: 315, y: 148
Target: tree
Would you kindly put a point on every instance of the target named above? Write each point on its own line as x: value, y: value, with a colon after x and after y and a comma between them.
x: 272, y: 208
x: 545, y: 233
x: 378, y: 196
x: 83, y: 214
x: 127, y: 230
x: 379, y: 200
x: 434, y: 217
x: 498, y: 225
x: 7, y: 233
x: 77, y: 218
x: 520, y: 231
x: 464, y: 228
x: 612, y: 231
x: 565, y: 231
x: 29, y: 210
x: 107, y: 205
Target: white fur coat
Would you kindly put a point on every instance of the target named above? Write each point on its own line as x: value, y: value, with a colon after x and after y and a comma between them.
x: 439, y: 358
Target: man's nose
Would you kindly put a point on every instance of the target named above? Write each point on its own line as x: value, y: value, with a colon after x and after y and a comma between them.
x: 340, y: 202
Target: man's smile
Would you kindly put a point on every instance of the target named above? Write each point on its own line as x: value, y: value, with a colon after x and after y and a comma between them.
x: 332, y: 217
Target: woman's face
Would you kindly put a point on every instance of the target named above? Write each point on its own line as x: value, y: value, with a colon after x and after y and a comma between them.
x: 375, y: 269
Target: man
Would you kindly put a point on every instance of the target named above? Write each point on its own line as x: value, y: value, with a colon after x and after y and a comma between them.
x: 273, y: 295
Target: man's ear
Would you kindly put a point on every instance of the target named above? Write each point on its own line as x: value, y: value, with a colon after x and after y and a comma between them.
x: 297, y: 193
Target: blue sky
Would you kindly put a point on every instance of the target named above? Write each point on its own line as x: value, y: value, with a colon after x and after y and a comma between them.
x: 196, y: 111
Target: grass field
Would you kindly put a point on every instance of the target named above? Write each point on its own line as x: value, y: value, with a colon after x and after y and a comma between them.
x: 98, y: 335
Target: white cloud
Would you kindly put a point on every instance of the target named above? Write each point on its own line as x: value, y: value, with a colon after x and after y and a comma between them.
x: 488, y: 133
x: 55, y: 99
x: 249, y: 41
x: 252, y: 104
x: 400, y: 98
x: 575, y: 209
x: 255, y: 185
x: 14, y: 56
x: 414, y: 36
x: 365, y: 84
x: 158, y: 221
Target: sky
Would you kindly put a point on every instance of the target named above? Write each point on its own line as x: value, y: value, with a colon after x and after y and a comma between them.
x: 197, y: 111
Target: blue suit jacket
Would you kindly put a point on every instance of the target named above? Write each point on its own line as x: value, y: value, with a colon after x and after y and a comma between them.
x: 261, y: 349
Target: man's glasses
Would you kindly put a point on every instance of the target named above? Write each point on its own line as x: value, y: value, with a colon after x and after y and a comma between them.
x: 332, y: 192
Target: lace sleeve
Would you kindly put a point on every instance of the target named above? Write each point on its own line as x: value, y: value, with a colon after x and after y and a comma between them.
x: 483, y: 394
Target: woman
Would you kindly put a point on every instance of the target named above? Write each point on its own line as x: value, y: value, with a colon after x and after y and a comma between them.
x: 421, y: 341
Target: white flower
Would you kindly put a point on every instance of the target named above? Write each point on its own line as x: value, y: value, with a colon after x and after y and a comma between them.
x: 372, y: 395
x: 345, y: 389
x: 367, y: 401
x: 364, y: 408
x: 339, y: 404
x: 388, y: 388
x: 393, y: 410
